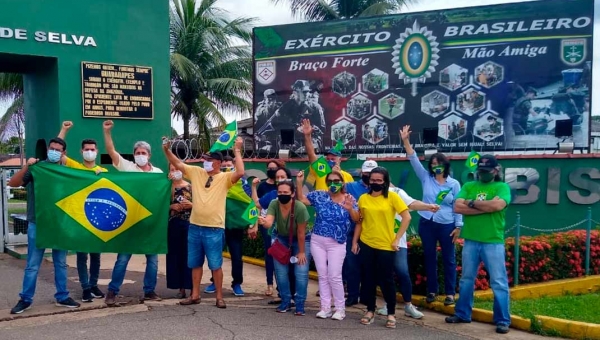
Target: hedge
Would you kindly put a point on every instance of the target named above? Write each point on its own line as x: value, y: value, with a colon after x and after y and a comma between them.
x: 542, y: 258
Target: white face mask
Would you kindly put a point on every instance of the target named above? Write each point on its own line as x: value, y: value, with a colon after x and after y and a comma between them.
x: 208, y: 166
x: 89, y: 155
x: 176, y: 175
x: 141, y: 160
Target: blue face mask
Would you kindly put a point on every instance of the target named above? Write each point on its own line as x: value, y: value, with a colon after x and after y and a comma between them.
x: 54, y: 156
x: 331, y: 163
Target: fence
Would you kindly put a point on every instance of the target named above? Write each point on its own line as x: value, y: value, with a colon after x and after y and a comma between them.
x: 588, y: 221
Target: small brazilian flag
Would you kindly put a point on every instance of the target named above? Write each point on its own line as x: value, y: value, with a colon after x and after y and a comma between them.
x: 441, y: 196
x: 114, y: 212
x: 226, y: 139
x: 339, y: 146
x: 321, y: 167
x: 251, y: 213
x: 472, y: 160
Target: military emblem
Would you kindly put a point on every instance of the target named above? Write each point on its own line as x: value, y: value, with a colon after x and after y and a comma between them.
x: 482, y: 196
x: 573, y: 51
x: 265, y: 71
x: 415, y: 55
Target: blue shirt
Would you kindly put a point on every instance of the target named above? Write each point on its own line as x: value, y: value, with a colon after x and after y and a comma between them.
x: 357, y: 189
x: 332, y: 219
x: 431, y: 190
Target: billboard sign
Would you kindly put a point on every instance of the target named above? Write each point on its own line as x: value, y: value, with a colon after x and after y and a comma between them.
x: 502, y: 77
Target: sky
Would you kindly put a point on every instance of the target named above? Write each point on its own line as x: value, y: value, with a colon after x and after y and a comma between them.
x: 269, y: 14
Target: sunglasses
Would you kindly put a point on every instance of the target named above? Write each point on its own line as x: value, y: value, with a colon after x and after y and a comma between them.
x: 334, y: 181
x: 208, y: 182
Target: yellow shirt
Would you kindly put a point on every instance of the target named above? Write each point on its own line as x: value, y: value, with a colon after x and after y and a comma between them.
x: 320, y: 183
x: 76, y: 165
x: 379, y: 214
x: 208, y: 207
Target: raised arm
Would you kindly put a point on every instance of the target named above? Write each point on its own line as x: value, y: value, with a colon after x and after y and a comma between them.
x: 66, y: 125
x: 177, y: 163
x: 308, y: 144
x: 299, y: 192
x: 420, y: 171
x: 239, y: 161
x: 108, y: 142
x: 254, y: 195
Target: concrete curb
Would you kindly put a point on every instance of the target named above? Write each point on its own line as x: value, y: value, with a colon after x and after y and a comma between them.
x: 571, y: 329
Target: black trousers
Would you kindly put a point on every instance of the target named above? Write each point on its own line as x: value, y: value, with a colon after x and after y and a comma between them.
x: 377, y: 269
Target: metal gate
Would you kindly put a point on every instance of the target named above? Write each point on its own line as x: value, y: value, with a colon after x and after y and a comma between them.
x: 15, y: 233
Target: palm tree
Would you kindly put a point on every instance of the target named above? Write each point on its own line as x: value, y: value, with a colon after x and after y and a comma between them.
x: 323, y: 10
x: 211, y: 65
x: 13, y: 120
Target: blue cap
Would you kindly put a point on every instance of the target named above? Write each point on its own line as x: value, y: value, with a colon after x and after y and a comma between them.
x: 333, y: 152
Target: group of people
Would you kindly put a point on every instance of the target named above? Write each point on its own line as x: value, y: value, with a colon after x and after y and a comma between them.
x: 357, y: 242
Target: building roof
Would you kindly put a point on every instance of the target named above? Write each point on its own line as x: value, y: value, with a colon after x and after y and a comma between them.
x: 11, y: 163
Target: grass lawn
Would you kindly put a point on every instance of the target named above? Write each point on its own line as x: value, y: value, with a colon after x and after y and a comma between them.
x: 585, y: 307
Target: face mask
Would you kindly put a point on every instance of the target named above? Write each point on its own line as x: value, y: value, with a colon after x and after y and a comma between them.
x: 177, y: 175
x: 227, y: 169
x: 89, y: 155
x: 284, y: 199
x: 438, y: 170
x: 335, y: 188
x: 141, y: 160
x: 485, y: 176
x: 208, y: 166
x: 376, y: 187
x: 331, y: 163
x: 54, y: 156
x: 271, y: 173
x: 365, y: 179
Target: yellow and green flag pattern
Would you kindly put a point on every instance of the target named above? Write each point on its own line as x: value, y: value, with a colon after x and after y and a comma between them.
x: 472, y: 160
x: 114, y: 212
x: 226, y: 139
x: 321, y: 167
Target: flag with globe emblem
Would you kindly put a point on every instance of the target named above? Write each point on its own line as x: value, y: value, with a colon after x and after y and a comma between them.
x: 108, y: 213
x: 472, y: 160
x: 226, y: 139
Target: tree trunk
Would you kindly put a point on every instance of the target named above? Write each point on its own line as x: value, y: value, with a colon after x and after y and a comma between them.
x: 186, y: 128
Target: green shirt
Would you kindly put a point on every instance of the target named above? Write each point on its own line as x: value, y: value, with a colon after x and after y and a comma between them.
x: 283, y: 226
x: 486, y: 227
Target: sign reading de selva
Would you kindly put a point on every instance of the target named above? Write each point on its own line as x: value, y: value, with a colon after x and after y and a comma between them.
x: 47, y: 37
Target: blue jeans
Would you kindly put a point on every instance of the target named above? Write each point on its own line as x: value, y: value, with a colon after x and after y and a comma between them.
x: 493, y: 257
x: 431, y: 233
x: 86, y: 281
x: 264, y: 232
x: 34, y: 261
x: 301, y: 274
x: 401, y: 270
x: 205, y: 242
x: 118, y: 274
x: 351, y: 271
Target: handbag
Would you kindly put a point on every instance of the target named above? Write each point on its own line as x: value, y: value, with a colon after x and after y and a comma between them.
x: 277, y: 250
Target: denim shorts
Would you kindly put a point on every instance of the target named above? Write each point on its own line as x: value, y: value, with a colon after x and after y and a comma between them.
x: 205, y: 241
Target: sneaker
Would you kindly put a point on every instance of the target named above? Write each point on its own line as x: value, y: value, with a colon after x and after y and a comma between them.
x: 68, y: 302
x: 110, y: 298
x: 339, y: 315
x: 283, y: 308
x: 324, y: 314
x: 502, y: 329
x: 455, y: 319
x: 411, y: 311
x: 382, y: 311
x: 20, y: 307
x: 210, y: 289
x: 300, y: 310
x: 152, y: 296
x: 449, y: 301
x: 87, y: 296
x: 237, y: 290
x: 97, y: 293
x: 430, y: 298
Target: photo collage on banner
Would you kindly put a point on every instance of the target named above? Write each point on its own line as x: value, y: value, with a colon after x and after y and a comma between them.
x: 501, y: 77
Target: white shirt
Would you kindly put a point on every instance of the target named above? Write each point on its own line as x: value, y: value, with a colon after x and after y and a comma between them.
x: 129, y: 166
x: 408, y: 201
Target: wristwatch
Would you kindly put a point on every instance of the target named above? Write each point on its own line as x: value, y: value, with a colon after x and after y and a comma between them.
x: 471, y: 204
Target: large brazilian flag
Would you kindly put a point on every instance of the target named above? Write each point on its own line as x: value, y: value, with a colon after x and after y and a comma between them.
x: 113, y: 212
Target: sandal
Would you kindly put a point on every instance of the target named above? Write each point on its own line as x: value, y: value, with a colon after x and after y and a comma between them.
x: 221, y: 304
x: 269, y: 291
x: 190, y: 301
x: 366, y: 319
x: 390, y: 323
